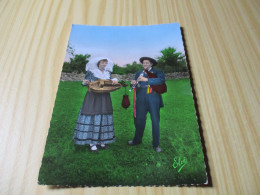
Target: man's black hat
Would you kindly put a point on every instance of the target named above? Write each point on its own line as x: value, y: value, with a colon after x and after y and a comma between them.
x: 153, y: 61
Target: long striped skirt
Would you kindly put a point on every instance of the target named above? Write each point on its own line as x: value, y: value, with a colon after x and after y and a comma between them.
x: 94, y: 129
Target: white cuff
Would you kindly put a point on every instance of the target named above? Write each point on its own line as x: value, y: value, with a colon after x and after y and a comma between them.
x: 114, y: 79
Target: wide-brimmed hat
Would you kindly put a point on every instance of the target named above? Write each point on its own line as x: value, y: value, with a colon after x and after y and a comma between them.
x: 153, y: 61
x: 92, y: 64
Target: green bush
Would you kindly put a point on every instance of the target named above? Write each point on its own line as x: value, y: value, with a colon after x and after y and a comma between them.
x: 172, y: 61
x: 119, y: 70
x: 76, y: 64
x: 133, y: 68
x: 66, y: 67
x: 130, y: 68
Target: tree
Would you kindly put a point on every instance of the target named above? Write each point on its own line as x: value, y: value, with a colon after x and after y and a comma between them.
x: 78, y: 63
x: 130, y: 68
x: 70, y: 50
x: 133, y: 68
x: 172, y: 61
x: 66, y: 67
x: 118, y: 70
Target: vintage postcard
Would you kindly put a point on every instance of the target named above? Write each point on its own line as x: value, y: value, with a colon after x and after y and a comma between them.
x: 125, y: 113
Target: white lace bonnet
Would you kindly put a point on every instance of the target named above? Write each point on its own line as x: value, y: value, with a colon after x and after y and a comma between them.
x: 92, y: 64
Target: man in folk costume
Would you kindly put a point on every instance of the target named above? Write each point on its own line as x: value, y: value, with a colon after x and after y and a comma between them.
x: 149, y: 85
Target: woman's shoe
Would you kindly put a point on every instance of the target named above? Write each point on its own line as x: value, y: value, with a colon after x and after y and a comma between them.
x: 103, y: 146
x: 93, y: 148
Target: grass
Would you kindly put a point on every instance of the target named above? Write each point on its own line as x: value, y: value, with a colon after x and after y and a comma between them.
x: 64, y: 163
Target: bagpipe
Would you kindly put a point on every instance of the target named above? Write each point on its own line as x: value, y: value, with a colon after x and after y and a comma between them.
x: 160, y: 89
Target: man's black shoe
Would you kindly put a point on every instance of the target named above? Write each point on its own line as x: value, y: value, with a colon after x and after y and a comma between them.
x: 157, y: 149
x: 131, y: 143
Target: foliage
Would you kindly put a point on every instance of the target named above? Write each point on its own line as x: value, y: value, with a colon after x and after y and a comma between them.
x: 118, y: 70
x: 133, y: 68
x: 70, y: 50
x: 76, y: 64
x: 130, y: 68
x: 66, y: 67
x: 77, y: 61
x: 172, y: 61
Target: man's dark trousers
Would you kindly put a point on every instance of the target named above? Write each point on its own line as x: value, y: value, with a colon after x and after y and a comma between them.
x: 147, y: 103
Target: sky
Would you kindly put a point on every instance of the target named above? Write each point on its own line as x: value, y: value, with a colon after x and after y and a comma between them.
x: 125, y: 44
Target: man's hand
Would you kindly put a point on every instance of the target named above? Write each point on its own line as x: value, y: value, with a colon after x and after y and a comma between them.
x: 133, y: 82
x: 141, y: 78
x: 86, y: 81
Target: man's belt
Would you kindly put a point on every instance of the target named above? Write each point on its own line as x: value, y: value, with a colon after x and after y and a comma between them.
x: 148, y: 87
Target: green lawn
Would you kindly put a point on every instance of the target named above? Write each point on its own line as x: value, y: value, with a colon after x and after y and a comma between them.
x: 64, y: 163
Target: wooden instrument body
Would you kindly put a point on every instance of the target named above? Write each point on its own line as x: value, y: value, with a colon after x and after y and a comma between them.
x: 103, y: 86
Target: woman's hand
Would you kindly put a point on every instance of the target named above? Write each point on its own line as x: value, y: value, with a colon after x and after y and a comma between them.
x: 86, y: 81
x: 114, y: 82
x: 141, y: 78
x: 133, y: 82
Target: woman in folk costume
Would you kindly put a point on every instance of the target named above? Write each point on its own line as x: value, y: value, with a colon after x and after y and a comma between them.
x: 95, y: 120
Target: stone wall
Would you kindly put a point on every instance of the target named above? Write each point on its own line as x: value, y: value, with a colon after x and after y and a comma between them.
x: 128, y: 77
